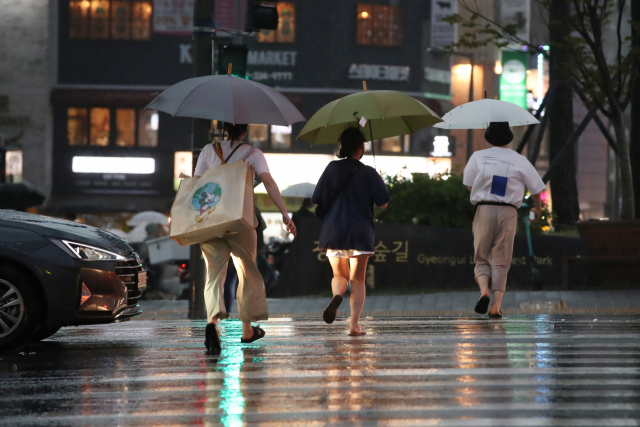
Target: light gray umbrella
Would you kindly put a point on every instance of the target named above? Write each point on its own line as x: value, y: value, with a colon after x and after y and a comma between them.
x: 229, y: 99
x: 479, y: 114
x: 304, y: 190
x: 147, y: 217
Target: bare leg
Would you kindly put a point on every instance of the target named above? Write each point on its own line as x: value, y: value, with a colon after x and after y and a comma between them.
x: 483, y: 282
x: 340, y: 279
x: 358, y: 289
x: 497, y: 302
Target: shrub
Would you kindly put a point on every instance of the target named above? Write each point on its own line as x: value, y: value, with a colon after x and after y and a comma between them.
x: 439, y: 201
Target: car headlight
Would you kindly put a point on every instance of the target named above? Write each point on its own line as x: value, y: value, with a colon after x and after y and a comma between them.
x: 92, y: 253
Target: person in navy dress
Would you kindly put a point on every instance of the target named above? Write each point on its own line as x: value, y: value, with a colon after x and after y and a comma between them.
x: 348, y: 190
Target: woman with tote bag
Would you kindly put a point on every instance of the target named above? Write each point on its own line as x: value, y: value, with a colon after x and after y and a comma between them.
x: 251, y: 295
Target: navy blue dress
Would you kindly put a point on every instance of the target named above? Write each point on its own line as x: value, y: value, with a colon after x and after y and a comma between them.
x: 349, y: 223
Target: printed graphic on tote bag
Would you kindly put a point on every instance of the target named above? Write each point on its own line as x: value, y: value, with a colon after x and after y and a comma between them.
x: 205, y: 199
x: 495, y: 175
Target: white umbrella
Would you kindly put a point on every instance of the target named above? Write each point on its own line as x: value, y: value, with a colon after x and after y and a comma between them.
x: 121, y: 234
x: 138, y: 234
x: 229, y: 99
x: 479, y: 114
x: 148, y: 217
x: 304, y: 190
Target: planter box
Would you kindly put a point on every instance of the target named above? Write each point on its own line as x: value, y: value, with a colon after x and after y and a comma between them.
x: 611, y: 238
x: 164, y: 249
x: 613, y: 249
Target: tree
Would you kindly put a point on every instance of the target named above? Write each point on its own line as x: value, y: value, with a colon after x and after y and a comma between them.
x: 606, y: 85
x: 635, y: 110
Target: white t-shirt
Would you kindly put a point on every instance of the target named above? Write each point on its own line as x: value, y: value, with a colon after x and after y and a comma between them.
x: 499, y: 175
x: 209, y: 158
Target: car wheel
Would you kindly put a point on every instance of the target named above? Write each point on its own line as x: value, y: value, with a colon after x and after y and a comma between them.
x: 20, y: 308
x: 44, y: 332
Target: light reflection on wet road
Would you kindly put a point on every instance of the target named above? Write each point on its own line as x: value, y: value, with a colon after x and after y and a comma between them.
x: 525, y: 370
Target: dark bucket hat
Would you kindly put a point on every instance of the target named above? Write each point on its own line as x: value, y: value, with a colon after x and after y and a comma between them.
x: 498, y: 134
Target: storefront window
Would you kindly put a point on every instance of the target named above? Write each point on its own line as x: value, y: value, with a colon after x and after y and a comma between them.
x: 126, y: 122
x: 280, y: 137
x: 110, y: 19
x: 79, y: 19
x: 380, y: 25
x: 13, y: 162
x: 100, y: 127
x: 258, y: 135
x: 286, y: 32
x: 99, y: 19
x: 77, y: 121
x: 391, y: 145
x: 141, y: 20
x: 148, y: 123
x: 120, y: 20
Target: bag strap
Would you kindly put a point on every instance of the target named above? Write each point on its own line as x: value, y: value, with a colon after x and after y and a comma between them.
x: 352, y: 173
x: 218, y: 149
x: 249, y: 153
x: 233, y: 152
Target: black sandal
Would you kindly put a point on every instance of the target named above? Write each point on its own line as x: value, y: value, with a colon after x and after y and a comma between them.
x: 212, y: 339
x: 495, y: 315
x: 329, y: 313
x: 258, y: 333
x: 482, y: 305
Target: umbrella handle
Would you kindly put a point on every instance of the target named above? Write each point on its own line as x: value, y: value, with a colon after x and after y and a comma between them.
x: 364, y: 85
x: 230, y: 68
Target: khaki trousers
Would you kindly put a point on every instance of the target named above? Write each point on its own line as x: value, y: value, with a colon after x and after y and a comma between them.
x: 251, y: 295
x: 494, y: 228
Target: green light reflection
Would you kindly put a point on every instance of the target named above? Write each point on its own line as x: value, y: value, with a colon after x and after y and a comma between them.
x: 232, y: 402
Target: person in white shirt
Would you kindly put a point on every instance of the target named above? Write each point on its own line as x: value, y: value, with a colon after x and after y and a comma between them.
x: 251, y: 295
x: 497, y: 178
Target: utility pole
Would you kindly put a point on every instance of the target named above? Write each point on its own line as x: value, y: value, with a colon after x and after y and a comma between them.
x: 203, y: 33
x: 470, y: 131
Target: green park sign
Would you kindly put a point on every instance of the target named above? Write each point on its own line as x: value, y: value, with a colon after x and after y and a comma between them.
x: 513, y: 80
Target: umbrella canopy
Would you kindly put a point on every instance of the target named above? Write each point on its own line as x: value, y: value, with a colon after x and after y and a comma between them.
x: 388, y: 113
x: 137, y: 234
x: 20, y: 196
x: 148, y: 217
x: 304, y: 190
x: 229, y: 99
x: 478, y: 115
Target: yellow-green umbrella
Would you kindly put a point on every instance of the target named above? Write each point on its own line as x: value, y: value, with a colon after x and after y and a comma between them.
x: 387, y: 112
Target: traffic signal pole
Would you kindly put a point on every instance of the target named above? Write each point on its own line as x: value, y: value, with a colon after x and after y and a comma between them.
x: 203, y: 33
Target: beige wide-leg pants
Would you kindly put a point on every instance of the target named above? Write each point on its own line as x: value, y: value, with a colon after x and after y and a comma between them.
x: 494, y: 228
x: 251, y: 295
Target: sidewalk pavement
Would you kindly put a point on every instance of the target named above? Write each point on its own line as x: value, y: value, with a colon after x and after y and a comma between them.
x: 444, y: 303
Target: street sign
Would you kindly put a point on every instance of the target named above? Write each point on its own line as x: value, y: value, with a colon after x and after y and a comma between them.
x: 513, y: 80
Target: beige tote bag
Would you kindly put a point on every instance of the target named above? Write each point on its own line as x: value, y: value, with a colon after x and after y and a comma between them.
x: 220, y: 202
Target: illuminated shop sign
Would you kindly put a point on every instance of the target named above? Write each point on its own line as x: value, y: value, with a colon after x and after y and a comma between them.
x: 441, y: 147
x: 379, y: 72
x: 113, y: 165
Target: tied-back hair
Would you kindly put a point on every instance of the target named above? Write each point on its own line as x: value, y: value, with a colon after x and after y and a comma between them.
x: 234, y: 131
x: 350, y: 140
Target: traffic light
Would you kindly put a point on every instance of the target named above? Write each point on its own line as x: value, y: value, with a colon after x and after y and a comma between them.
x: 235, y: 54
x: 261, y: 17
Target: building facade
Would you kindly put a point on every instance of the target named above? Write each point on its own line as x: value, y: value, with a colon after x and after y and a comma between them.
x: 113, y: 55
x: 26, y: 75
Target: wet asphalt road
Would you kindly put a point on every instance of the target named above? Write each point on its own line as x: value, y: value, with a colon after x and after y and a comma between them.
x: 525, y: 370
